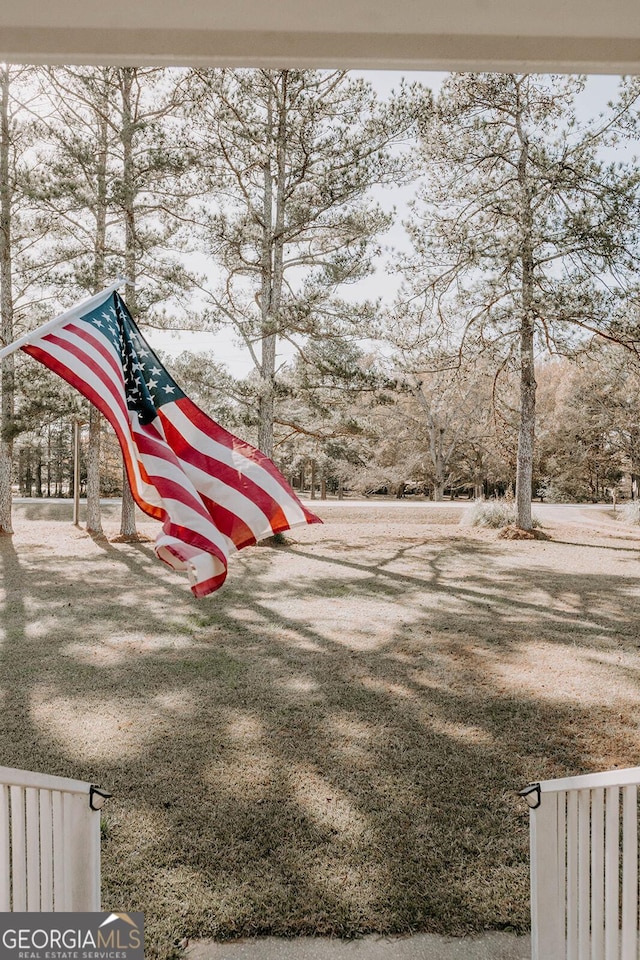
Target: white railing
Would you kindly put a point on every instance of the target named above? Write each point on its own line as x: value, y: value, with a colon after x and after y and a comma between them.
x: 584, y: 867
x: 49, y: 843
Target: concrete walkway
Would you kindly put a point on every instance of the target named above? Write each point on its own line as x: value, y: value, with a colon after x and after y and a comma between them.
x: 423, y: 946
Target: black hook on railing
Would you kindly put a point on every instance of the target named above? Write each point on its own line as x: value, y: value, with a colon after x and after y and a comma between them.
x: 98, y: 797
x: 532, y: 795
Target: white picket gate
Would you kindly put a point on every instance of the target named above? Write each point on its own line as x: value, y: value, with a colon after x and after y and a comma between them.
x: 584, y: 867
x: 49, y: 843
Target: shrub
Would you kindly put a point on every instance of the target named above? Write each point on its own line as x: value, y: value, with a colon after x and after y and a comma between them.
x: 630, y: 512
x: 492, y: 513
x: 564, y: 490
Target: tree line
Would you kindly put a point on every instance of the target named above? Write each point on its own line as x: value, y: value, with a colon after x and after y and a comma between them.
x: 504, y: 354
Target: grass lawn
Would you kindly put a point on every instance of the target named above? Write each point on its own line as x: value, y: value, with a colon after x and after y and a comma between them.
x: 332, y: 743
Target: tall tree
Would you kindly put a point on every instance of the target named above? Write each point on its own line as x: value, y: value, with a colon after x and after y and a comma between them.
x: 153, y: 161
x: 100, y: 113
x: 323, y: 416
x: 111, y: 188
x: 590, y: 424
x: 76, y: 192
x: 524, y: 237
x: 291, y: 158
x: 20, y: 237
x: 126, y: 78
x: 6, y: 300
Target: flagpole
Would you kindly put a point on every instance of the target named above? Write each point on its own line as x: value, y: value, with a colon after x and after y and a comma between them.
x: 81, y: 308
x: 76, y: 471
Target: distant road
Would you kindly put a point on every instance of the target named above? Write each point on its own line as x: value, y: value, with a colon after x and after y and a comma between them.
x: 598, y: 514
x: 580, y: 513
x: 405, y: 502
x: 105, y: 501
x: 571, y: 513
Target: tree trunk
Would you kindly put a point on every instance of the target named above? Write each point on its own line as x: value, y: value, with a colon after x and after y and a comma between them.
x: 48, y: 459
x: 634, y: 463
x: 94, y: 514
x: 128, y: 516
x: 266, y: 400
x: 268, y: 341
x: 94, y: 520
x: 323, y: 488
x: 128, y: 513
x: 340, y: 490
x: 526, y: 435
x: 438, y: 491
x: 440, y: 461
x: 22, y: 473
x: 272, y: 266
x: 28, y: 479
x: 7, y: 383
x: 76, y: 471
x: 313, y: 479
x: 439, y: 457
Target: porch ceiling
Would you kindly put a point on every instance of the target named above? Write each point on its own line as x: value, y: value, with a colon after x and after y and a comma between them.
x: 548, y: 35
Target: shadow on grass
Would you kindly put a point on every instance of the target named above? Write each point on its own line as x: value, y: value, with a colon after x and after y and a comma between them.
x: 333, y: 753
x: 605, y: 545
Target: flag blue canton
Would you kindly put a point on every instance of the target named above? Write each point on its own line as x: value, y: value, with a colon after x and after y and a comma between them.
x: 147, y: 384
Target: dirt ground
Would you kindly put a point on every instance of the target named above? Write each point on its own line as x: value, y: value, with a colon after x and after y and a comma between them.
x: 332, y: 744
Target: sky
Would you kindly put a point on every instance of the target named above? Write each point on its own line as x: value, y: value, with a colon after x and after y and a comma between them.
x: 222, y: 346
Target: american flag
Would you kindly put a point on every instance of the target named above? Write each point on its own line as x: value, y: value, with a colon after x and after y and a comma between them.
x: 212, y: 492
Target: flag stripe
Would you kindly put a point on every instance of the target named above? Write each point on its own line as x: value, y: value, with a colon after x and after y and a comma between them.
x: 70, y: 364
x: 116, y: 416
x: 66, y: 348
x: 202, y: 568
x: 254, y: 460
x: 97, y: 341
x: 259, y: 484
x: 116, y: 412
x: 223, y: 485
x: 230, y: 523
x: 189, y: 533
x: 146, y: 489
x: 150, y: 491
x: 213, y: 492
x: 146, y: 492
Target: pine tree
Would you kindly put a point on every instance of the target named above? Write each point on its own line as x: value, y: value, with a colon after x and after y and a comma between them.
x: 111, y: 189
x: 290, y: 159
x: 7, y: 386
x: 524, y: 238
x: 153, y: 160
x: 20, y: 252
x: 76, y: 194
